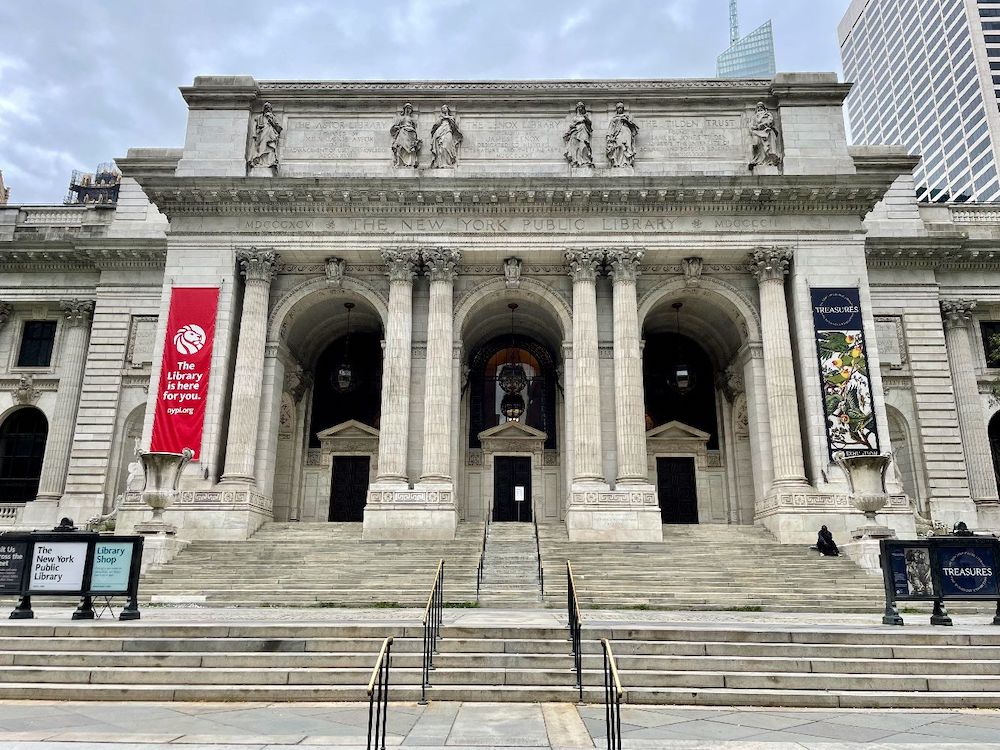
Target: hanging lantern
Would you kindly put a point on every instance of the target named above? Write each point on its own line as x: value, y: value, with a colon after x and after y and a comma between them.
x: 342, y: 378
x: 512, y: 406
x: 512, y: 378
x: 682, y: 377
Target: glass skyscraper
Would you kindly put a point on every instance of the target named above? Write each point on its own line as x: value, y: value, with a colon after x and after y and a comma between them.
x: 926, y: 75
x: 749, y: 57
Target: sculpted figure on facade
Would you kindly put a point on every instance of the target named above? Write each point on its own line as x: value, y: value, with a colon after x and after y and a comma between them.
x: 621, y: 139
x: 405, y: 143
x: 336, y: 269
x: 25, y: 391
x: 692, y: 271
x: 445, y: 140
x: 578, y: 150
x: 767, y: 151
x: 264, y: 140
x: 512, y: 273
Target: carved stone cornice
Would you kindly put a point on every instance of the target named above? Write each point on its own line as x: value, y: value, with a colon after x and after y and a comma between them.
x: 441, y: 263
x: 957, y: 313
x: 584, y: 264
x: 257, y: 264
x: 77, y: 311
x: 624, y: 264
x: 770, y: 263
x: 402, y: 264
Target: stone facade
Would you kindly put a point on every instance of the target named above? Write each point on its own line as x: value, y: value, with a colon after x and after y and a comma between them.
x: 325, y: 197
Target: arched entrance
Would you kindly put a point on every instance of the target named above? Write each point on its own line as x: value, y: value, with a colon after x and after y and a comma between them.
x: 22, y: 450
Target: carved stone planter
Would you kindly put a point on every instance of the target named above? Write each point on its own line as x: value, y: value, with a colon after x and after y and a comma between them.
x: 866, y: 477
x: 162, y: 474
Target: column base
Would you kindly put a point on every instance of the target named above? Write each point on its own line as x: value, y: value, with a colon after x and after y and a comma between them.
x: 41, y: 514
x: 864, y: 552
x: 426, y: 512
x: 796, y: 517
x: 219, y: 512
x: 951, y: 510
x: 160, y: 549
x: 629, y: 513
x: 988, y: 517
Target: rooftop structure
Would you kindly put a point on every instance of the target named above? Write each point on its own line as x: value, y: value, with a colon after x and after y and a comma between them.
x: 749, y: 57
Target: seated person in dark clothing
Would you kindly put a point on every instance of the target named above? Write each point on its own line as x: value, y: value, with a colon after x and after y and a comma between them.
x: 825, y: 544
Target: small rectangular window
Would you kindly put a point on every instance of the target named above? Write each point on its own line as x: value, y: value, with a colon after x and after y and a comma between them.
x: 36, y: 343
x: 991, y: 342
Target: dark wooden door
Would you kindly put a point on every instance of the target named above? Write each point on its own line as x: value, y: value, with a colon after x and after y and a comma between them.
x: 509, y: 473
x: 678, y: 495
x: 350, y: 487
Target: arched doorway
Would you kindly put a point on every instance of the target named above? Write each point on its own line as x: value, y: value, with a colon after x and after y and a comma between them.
x: 22, y: 450
x: 904, y: 453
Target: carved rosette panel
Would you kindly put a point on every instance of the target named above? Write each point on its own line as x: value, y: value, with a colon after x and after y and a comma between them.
x: 637, y: 498
x: 770, y: 263
x: 584, y: 265
x: 257, y: 264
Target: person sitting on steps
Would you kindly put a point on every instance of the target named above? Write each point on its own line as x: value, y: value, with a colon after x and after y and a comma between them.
x: 825, y: 544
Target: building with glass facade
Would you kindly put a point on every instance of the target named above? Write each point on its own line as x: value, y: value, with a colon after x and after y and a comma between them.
x: 749, y: 57
x: 926, y: 75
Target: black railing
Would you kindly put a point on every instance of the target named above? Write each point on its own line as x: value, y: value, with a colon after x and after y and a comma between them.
x: 612, y: 697
x: 575, y: 627
x: 378, y: 697
x: 433, y: 617
x: 482, y: 559
x: 538, y: 549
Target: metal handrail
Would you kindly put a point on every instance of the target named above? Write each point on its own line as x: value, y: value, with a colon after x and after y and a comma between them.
x: 613, y: 693
x: 538, y: 548
x: 482, y: 559
x: 433, y: 617
x: 378, y: 697
x: 575, y: 627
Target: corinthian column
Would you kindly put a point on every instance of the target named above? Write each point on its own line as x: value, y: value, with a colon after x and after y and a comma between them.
x: 257, y: 267
x: 770, y: 265
x: 440, y: 265
x: 583, y: 268
x: 957, y: 316
x: 395, y: 419
x: 630, y: 413
x: 73, y: 359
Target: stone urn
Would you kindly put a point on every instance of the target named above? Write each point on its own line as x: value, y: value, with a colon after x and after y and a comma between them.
x: 866, y: 477
x: 162, y: 474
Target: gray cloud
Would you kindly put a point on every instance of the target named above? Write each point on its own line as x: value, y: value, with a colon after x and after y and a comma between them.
x: 82, y: 82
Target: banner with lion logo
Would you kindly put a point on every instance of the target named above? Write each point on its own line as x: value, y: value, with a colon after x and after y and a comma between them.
x: 187, y: 361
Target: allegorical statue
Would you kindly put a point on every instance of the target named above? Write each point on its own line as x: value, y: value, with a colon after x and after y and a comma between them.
x: 264, y: 140
x: 622, y: 135
x: 577, y: 136
x: 445, y: 140
x: 405, y: 144
x: 766, y: 139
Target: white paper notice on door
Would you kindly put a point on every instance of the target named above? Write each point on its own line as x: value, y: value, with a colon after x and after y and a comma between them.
x: 519, y: 494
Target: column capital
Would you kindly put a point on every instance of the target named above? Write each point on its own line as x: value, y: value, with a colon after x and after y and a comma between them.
x: 441, y: 263
x: 257, y: 264
x: 624, y: 264
x: 957, y: 313
x: 769, y: 263
x: 77, y: 311
x: 6, y: 310
x: 584, y: 264
x: 402, y: 263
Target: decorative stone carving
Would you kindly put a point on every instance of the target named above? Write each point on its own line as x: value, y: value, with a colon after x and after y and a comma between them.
x: 264, y: 137
x: 692, y: 268
x: 957, y: 313
x: 25, y: 391
x: 622, y: 135
x: 257, y: 264
x: 297, y: 382
x: 402, y: 263
x: 445, y: 140
x: 405, y: 143
x: 512, y: 273
x: 6, y: 310
x: 730, y: 382
x: 577, y: 137
x: 584, y: 264
x: 163, y: 473
x: 286, y: 416
x: 624, y: 265
x: 770, y: 263
x: 766, y: 139
x: 336, y: 269
x: 76, y: 311
x: 441, y: 263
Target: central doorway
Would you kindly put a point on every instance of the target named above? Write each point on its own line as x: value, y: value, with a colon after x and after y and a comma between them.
x: 349, y: 488
x: 512, y: 488
x: 677, y: 490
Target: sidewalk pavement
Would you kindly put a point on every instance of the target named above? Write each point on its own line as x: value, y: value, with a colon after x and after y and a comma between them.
x: 40, y: 725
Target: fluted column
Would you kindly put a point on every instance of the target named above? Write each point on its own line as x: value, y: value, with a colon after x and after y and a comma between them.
x: 395, y: 419
x: 957, y: 316
x: 72, y: 357
x: 630, y: 413
x: 257, y: 267
x: 770, y: 265
x: 583, y: 268
x: 441, y: 266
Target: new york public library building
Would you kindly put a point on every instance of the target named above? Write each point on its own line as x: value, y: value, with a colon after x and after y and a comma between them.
x: 611, y: 305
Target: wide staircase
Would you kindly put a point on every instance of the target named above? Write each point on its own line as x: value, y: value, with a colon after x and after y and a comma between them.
x: 706, y: 567
x: 316, y: 565
x: 510, y: 567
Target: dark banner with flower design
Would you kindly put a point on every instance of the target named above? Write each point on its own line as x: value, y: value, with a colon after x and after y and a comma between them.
x: 843, y: 371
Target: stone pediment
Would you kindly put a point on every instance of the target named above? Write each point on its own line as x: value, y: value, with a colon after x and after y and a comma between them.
x: 512, y: 431
x: 678, y: 431
x: 351, y: 430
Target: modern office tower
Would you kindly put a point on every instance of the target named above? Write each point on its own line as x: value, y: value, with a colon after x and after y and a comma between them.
x: 749, y: 57
x: 926, y: 75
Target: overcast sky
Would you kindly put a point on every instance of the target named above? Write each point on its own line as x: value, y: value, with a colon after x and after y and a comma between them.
x: 81, y: 82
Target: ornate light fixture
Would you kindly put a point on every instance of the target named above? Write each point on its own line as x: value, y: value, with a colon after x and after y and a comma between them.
x: 682, y: 376
x: 342, y: 378
x: 512, y: 379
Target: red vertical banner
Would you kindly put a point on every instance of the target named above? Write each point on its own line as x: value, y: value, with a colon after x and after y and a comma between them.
x: 187, y: 360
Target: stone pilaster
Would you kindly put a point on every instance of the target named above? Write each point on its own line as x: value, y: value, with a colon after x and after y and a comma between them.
x: 6, y: 310
x: 957, y: 316
x: 257, y: 267
x: 72, y: 358
x: 440, y: 265
x: 630, y: 421
x: 770, y: 266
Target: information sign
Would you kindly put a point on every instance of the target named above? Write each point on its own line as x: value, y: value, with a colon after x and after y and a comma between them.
x: 12, y: 556
x: 112, y: 567
x: 518, y: 494
x: 967, y: 571
x: 57, y: 566
x: 911, y: 572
